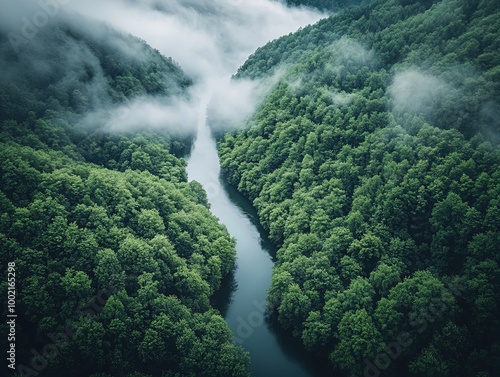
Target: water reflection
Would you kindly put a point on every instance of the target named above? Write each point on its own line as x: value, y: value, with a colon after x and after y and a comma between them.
x: 242, y: 297
x: 249, y: 210
x: 224, y: 296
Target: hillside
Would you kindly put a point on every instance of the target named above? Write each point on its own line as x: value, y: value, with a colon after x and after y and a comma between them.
x: 374, y: 166
x: 325, y: 5
x: 116, y: 256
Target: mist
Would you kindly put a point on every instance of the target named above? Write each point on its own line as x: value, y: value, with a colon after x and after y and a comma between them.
x: 174, y: 115
x: 416, y: 92
x: 234, y: 101
x: 350, y: 51
x: 444, y: 101
x: 209, y: 39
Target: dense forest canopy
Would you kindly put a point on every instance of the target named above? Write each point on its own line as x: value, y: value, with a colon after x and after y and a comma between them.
x: 326, y: 5
x: 116, y: 254
x: 374, y: 166
x: 372, y: 160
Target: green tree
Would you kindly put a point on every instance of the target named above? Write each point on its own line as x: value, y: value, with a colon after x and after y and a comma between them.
x: 108, y: 271
x: 149, y: 223
x: 360, y: 340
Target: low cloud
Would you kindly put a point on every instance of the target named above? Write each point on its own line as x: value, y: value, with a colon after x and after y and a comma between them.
x: 416, y: 92
x: 456, y: 99
x: 177, y: 116
x: 489, y: 121
x: 209, y: 39
x: 342, y: 98
x: 235, y: 101
x: 347, y: 50
x: 232, y: 103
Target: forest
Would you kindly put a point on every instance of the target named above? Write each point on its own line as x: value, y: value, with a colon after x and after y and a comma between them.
x: 374, y: 167
x: 372, y: 160
x: 326, y: 5
x: 116, y: 254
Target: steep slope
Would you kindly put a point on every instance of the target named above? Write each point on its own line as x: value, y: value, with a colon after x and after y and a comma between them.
x: 116, y: 256
x: 373, y: 165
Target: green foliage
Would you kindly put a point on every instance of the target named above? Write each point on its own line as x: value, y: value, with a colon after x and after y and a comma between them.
x: 114, y: 239
x: 331, y: 5
x: 116, y: 254
x: 373, y: 163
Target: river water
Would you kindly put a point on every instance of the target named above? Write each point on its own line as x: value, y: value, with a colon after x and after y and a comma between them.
x: 242, y: 297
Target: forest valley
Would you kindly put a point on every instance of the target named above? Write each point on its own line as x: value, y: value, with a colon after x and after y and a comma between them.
x: 372, y: 161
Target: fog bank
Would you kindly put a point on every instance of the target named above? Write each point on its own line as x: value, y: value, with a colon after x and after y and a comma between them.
x: 209, y: 39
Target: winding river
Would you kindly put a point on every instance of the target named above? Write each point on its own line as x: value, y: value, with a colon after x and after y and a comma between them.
x: 242, y: 297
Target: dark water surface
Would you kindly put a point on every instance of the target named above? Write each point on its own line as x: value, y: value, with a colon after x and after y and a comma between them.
x: 242, y: 297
